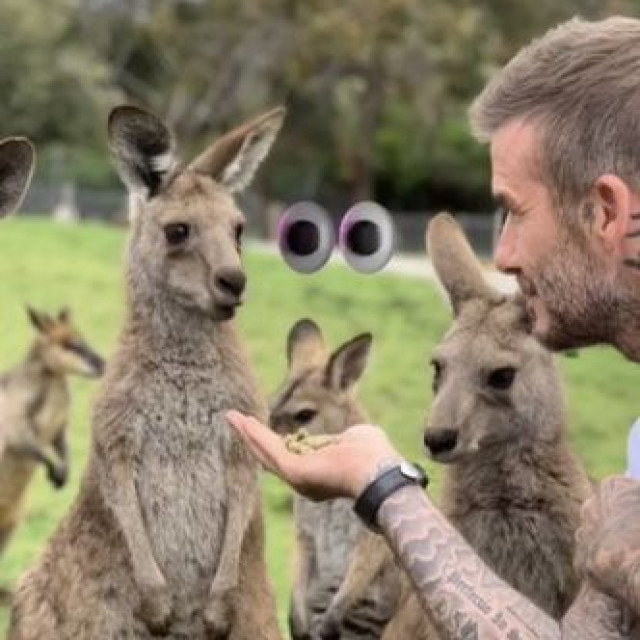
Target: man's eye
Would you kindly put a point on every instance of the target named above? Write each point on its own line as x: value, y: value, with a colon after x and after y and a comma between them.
x: 176, y: 233
x: 502, y: 213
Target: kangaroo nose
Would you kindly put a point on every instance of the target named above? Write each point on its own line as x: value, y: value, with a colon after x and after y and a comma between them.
x: 231, y: 282
x: 440, y: 440
x: 98, y: 365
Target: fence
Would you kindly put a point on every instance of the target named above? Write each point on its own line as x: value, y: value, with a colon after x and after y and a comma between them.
x: 110, y: 205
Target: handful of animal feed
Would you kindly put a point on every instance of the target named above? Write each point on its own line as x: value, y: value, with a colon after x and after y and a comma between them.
x: 303, y: 442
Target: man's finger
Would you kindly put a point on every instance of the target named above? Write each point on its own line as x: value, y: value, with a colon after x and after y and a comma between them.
x: 268, y: 447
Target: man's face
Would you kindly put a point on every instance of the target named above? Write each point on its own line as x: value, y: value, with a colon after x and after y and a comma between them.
x: 568, y: 290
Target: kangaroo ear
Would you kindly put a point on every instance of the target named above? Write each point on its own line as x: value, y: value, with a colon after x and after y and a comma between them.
x: 305, y: 345
x: 64, y: 315
x: 41, y: 321
x: 17, y: 160
x: 348, y: 363
x: 143, y: 149
x: 455, y: 263
x: 233, y: 159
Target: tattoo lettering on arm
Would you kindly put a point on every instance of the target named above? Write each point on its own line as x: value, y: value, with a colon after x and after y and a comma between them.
x: 463, y: 596
x: 596, y: 616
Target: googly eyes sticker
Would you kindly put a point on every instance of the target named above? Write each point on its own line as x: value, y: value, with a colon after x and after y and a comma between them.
x: 366, y: 237
x: 306, y: 237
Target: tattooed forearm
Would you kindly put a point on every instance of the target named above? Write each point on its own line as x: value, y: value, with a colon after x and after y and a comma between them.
x: 595, y: 616
x: 462, y: 595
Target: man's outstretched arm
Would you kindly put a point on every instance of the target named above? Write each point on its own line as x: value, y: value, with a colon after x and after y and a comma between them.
x: 460, y: 593
x: 465, y: 599
x: 463, y: 596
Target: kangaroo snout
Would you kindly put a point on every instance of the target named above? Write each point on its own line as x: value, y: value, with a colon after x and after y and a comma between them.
x: 230, y: 283
x: 440, y: 442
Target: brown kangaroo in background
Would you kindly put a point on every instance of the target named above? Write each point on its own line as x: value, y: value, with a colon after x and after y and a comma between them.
x: 319, y: 394
x: 17, y: 160
x: 35, y: 411
x: 166, y: 535
x: 513, y: 487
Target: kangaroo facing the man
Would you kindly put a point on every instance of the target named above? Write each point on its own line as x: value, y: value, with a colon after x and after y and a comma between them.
x: 166, y: 534
x: 319, y: 395
x: 513, y: 487
x: 35, y: 404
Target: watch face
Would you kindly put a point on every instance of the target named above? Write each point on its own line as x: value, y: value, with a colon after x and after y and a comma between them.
x: 410, y: 471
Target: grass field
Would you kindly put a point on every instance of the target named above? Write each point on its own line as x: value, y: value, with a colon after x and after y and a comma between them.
x: 49, y: 266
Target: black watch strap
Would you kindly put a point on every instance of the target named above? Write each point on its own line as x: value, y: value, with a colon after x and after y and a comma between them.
x: 389, y: 481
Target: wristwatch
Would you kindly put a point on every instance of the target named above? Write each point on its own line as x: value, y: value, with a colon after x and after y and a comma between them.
x: 389, y: 481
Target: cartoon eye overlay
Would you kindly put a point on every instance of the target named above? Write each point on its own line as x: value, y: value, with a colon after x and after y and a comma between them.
x: 306, y: 237
x: 367, y: 237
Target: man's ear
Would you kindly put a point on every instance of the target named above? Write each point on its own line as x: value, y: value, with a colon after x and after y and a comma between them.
x: 606, y: 215
x: 143, y: 149
x: 17, y: 160
x: 348, y: 362
x: 234, y: 158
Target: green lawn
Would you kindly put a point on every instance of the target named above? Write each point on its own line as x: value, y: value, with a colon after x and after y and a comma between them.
x: 50, y: 265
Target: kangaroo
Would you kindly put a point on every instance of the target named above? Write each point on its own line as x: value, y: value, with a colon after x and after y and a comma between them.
x: 319, y: 395
x: 35, y: 410
x: 512, y: 486
x: 17, y: 160
x: 165, y: 537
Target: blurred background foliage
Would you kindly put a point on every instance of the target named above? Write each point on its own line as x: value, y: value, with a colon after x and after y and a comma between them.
x: 377, y: 90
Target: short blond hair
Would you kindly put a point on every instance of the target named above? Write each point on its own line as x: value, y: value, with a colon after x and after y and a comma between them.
x: 580, y: 85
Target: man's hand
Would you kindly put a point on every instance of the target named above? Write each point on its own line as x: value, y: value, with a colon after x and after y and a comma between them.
x: 342, y: 468
x: 608, y: 540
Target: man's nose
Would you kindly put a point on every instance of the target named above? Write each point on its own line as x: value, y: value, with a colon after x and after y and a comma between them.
x: 504, y: 254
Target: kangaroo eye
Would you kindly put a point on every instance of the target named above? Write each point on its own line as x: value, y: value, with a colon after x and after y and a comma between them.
x: 176, y: 233
x: 304, y: 416
x: 437, y: 373
x: 238, y: 233
x: 502, y: 378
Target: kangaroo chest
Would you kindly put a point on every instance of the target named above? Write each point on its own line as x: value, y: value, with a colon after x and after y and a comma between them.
x: 44, y: 412
x: 185, y: 452
x: 50, y: 412
x: 525, y: 543
x: 333, y: 528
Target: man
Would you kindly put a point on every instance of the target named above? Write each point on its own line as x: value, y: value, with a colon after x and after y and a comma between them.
x: 563, y: 122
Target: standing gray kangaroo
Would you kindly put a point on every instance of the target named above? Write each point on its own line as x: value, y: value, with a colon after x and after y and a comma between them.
x: 319, y: 395
x: 35, y: 410
x: 17, y: 160
x: 512, y: 487
x: 166, y: 537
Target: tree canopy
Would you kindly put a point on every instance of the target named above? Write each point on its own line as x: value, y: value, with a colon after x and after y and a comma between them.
x: 377, y: 90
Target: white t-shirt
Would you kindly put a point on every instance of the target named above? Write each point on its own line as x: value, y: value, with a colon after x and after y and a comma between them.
x: 633, y: 451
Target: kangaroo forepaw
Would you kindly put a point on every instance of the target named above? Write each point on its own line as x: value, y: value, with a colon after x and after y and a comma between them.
x: 217, y: 618
x: 156, y: 607
x: 329, y: 628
